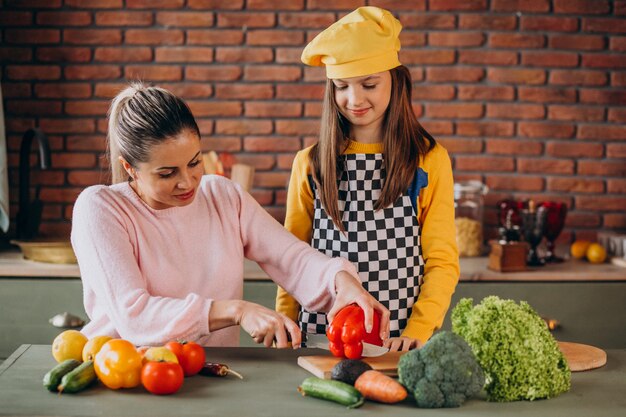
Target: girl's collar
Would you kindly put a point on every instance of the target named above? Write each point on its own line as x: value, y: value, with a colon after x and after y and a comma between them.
x: 358, y: 147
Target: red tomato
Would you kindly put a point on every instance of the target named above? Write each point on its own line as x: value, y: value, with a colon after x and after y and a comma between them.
x: 190, y: 356
x: 162, y: 378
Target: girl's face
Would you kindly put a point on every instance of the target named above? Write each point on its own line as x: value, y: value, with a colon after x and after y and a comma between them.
x: 171, y: 176
x: 364, y: 100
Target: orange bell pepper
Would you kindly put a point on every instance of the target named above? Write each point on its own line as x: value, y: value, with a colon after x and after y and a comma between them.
x: 118, y: 364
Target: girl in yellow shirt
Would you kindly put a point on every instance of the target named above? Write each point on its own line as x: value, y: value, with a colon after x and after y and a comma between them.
x: 376, y: 188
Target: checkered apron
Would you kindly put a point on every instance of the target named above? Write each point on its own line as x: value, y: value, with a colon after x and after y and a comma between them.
x: 384, y: 245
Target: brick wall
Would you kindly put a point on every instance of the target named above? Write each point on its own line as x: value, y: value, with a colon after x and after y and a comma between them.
x: 528, y: 96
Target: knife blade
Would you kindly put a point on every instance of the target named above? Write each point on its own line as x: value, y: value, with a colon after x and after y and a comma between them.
x: 320, y: 341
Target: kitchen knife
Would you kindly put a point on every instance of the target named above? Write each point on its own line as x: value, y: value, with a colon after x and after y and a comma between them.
x: 321, y: 341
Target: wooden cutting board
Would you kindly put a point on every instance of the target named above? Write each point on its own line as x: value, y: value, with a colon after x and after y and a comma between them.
x: 579, y: 357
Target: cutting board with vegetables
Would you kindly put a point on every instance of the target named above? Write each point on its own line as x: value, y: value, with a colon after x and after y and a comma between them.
x: 579, y: 357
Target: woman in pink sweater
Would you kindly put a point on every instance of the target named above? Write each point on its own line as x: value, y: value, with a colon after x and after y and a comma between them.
x: 161, y: 250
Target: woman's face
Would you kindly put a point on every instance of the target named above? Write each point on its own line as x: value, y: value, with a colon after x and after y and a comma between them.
x: 364, y: 100
x: 171, y: 176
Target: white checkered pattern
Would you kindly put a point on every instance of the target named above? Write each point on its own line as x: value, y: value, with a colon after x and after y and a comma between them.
x: 385, y: 245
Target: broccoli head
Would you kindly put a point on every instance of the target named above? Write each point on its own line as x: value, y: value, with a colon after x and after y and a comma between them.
x: 513, y: 345
x: 443, y: 373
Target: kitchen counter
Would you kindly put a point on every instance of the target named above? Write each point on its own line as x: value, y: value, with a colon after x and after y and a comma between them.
x: 472, y: 269
x: 269, y: 389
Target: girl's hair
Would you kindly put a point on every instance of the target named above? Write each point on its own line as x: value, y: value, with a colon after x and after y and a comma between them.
x: 405, y: 143
x: 139, y: 118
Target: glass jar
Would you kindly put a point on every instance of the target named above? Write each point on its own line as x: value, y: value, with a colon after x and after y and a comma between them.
x: 468, y: 216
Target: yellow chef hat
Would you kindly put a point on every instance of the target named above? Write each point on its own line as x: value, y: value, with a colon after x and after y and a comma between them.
x: 362, y: 42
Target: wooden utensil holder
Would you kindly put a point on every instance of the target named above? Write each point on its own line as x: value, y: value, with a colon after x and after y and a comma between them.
x: 508, y: 257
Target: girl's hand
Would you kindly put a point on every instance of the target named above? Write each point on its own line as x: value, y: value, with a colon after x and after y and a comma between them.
x: 268, y: 326
x: 349, y: 290
x: 402, y: 343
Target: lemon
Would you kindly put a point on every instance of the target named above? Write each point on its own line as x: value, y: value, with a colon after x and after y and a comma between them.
x: 69, y: 345
x: 93, y: 346
x: 578, y: 249
x: 159, y: 354
x: 596, y: 254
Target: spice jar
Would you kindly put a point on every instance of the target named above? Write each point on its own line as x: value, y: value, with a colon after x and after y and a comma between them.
x: 468, y: 213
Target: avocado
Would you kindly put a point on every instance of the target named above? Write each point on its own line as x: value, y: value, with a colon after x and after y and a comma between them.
x: 348, y: 370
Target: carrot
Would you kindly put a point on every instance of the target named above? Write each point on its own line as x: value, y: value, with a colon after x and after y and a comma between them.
x: 377, y: 386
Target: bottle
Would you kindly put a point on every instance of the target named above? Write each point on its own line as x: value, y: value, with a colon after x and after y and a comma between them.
x: 468, y: 213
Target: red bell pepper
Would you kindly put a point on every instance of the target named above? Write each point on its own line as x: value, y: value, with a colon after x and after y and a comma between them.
x: 346, y: 333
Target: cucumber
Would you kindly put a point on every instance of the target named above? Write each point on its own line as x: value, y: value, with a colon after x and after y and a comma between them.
x: 330, y: 390
x: 79, y: 378
x: 52, y: 379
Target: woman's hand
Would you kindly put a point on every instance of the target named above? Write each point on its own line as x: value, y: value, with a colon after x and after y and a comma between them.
x: 349, y: 290
x: 402, y: 343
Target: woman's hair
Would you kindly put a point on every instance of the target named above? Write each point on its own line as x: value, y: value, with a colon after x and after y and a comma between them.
x: 405, y: 143
x: 139, y: 118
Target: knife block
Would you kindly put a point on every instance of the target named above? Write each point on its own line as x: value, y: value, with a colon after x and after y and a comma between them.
x: 508, y: 257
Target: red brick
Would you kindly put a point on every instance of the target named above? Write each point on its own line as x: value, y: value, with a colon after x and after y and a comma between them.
x: 603, y: 25
x: 13, y: 18
x: 300, y: 92
x: 15, y: 54
x: 96, y: 4
x: 154, y: 37
x: 433, y: 92
x: 33, y: 107
x: 215, y: 108
x: 602, y: 168
x: 604, y: 61
x: 396, y: 5
x: 532, y: 6
x: 427, y: 57
x: 109, y: 90
x: 516, y: 76
x: 64, y: 18
x: 13, y: 90
x: 617, y: 115
x: 575, y: 149
x: 313, y: 74
x: 417, y: 74
x: 272, y: 73
x: 455, y: 74
x: 488, y: 57
x: 60, y: 195
x: 618, y: 43
x: 86, y: 143
x: 47, y: 177
x: 455, y: 111
x: 578, y: 77
x: 272, y: 109
x: 513, y: 147
x: 487, y: 21
x: 306, y: 20
x: 619, y: 7
x: 549, y: 59
x: 260, y: 162
x: 516, y: 40
x: 515, y: 111
x: 185, y: 19
x: 271, y: 144
x: 62, y: 90
x: 615, y: 221
x: 184, y: 54
x: 244, y: 91
x: 453, y: 5
x: 33, y: 72
x: 73, y: 160
x: 600, y: 203
x: 263, y: 197
x: 271, y: 179
x: 545, y: 166
x: 485, y: 129
x: 214, y: 37
x: 18, y: 124
x: 418, y: 109
x: 616, y: 150
x: 575, y: 185
x: 222, y: 144
x: 484, y: 163
x: 123, y: 54
x: 602, y: 132
x: 92, y: 36
x: 452, y: 39
x: 577, y: 42
x: 618, y: 79
x: 549, y: 23
x: 275, y: 5
x: 576, y: 113
x: 87, y: 178
x: 92, y: 72
x: 215, y: 4
x: 489, y: 93
x: 285, y: 161
x: 64, y: 54
x: 213, y: 73
x: 258, y: 55
x: 424, y: 21
x: 546, y: 130
x: 514, y: 183
x: 616, y: 186
x: 274, y: 37
x: 124, y: 18
x: 67, y: 125
x: 243, y: 127
x: 153, y: 72
x: 412, y: 39
x: 610, y: 97
x: 297, y: 127
x: 313, y: 109
x: 34, y: 36
x: 334, y: 4
x: 547, y: 94
x: 155, y: 4
x: 189, y: 90
x: 456, y: 145
x: 581, y: 6
x: 247, y: 19
x: 87, y: 108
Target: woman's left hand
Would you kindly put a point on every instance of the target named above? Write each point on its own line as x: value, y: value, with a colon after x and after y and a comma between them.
x: 349, y: 290
x: 402, y: 343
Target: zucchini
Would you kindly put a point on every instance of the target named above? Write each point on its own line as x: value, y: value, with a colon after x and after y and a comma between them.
x: 52, y: 378
x: 79, y: 378
x: 330, y: 390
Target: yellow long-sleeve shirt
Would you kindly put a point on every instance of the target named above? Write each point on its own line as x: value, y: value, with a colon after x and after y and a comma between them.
x: 435, y: 204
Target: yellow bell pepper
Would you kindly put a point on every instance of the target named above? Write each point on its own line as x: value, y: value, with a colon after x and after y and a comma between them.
x: 118, y: 364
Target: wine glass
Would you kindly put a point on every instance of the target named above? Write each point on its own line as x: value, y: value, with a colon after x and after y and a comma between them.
x: 555, y: 220
x: 533, y: 222
x: 510, y: 212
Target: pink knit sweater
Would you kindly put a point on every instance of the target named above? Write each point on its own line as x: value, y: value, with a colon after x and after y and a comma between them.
x: 149, y: 276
